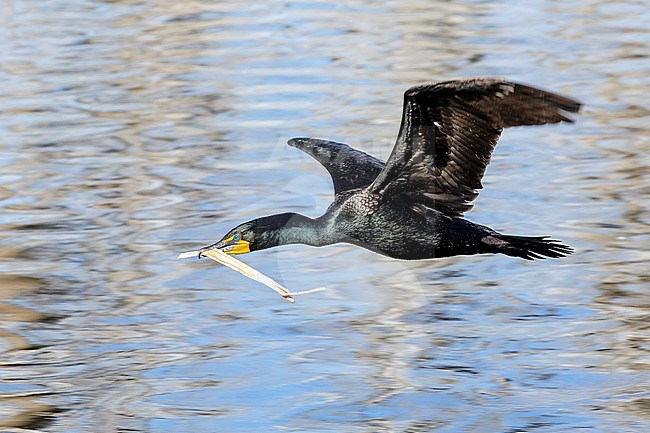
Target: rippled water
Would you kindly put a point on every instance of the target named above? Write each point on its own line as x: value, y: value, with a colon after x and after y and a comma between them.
x: 132, y: 130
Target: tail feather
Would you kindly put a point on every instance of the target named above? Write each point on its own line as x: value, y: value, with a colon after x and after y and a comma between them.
x: 527, y: 247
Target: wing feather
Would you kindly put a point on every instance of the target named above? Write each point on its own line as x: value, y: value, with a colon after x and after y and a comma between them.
x: 448, y: 133
x: 349, y: 168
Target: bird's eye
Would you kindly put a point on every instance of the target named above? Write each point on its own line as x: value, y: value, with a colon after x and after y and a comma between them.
x: 236, y: 238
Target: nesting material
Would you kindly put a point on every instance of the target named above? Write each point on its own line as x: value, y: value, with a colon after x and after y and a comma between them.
x: 243, y: 268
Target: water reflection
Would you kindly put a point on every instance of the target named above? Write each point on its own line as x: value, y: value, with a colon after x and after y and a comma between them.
x: 136, y: 129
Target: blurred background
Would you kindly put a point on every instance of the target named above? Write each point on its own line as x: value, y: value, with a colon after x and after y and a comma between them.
x: 133, y: 130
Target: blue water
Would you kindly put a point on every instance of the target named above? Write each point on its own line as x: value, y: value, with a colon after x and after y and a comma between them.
x: 134, y: 130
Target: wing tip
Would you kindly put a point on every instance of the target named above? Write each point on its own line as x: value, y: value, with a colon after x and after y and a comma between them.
x: 575, y: 106
x: 297, y: 141
x: 567, y: 104
x: 563, y: 103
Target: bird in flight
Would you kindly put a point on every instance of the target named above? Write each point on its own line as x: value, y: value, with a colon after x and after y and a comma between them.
x: 411, y: 207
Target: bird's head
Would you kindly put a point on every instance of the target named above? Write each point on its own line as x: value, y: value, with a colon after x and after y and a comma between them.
x: 255, y: 235
x: 240, y: 240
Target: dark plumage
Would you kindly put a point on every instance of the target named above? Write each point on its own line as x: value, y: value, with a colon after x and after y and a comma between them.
x: 412, y: 206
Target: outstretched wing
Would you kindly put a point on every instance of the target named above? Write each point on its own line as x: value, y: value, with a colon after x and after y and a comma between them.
x: 448, y: 133
x: 349, y: 168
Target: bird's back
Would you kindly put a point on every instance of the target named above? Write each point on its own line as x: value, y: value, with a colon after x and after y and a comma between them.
x: 395, y: 228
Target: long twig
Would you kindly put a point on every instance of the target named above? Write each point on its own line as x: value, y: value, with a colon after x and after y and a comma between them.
x: 248, y: 271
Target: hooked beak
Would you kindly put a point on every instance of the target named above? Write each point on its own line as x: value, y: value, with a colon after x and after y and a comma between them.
x: 228, y: 246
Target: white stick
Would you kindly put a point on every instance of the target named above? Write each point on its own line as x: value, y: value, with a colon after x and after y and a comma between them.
x: 248, y: 271
x: 188, y: 254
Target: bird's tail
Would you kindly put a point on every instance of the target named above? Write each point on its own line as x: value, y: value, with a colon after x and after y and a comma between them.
x: 527, y: 247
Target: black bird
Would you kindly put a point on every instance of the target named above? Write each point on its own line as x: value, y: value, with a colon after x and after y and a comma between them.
x: 412, y: 206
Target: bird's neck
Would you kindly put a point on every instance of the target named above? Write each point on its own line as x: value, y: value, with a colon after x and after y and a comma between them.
x: 296, y: 229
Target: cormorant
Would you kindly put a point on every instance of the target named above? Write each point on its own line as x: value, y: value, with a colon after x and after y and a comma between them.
x: 412, y: 206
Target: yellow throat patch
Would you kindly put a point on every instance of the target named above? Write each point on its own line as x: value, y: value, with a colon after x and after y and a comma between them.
x: 236, y: 247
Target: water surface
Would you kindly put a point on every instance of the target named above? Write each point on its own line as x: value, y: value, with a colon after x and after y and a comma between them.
x: 133, y: 130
